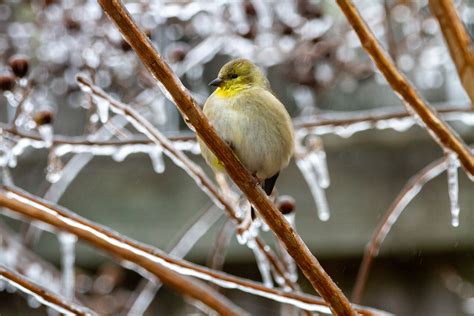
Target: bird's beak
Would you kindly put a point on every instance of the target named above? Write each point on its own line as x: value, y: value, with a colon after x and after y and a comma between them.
x: 216, y: 82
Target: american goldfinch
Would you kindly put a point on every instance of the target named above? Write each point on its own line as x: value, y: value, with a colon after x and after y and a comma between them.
x: 254, y: 123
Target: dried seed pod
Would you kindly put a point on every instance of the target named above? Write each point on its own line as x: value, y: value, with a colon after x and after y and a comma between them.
x: 286, y: 204
x: 7, y: 82
x: 178, y: 54
x: 43, y: 117
x: 19, y: 65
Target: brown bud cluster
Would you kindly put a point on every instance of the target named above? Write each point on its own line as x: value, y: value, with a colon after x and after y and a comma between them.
x: 286, y: 204
x: 19, y: 65
x: 7, y: 82
x: 43, y: 117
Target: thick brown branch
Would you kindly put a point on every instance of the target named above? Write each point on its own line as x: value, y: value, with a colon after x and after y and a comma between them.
x: 148, y: 257
x: 244, y: 180
x: 439, y: 130
x: 458, y: 40
x: 408, y: 192
x: 116, y: 245
x: 43, y: 295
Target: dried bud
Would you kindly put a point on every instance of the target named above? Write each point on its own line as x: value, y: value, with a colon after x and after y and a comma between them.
x: 124, y: 45
x: 72, y: 24
x: 43, y: 117
x: 19, y: 65
x: 249, y: 8
x: 178, y: 54
x: 7, y: 82
x: 286, y: 204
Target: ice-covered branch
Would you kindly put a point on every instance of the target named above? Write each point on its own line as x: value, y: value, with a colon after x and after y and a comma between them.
x: 458, y: 40
x: 439, y: 130
x: 41, y: 294
x: 194, y: 116
x: 343, y: 124
x: 34, y: 208
x: 406, y: 195
x: 167, y: 268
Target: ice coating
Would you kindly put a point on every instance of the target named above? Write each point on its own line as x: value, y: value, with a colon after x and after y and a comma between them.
x: 262, y: 263
x: 311, y: 177
x: 453, y: 187
x: 46, y: 132
x: 67, y: 244
x: 37, y: 297
x: 102, y: 109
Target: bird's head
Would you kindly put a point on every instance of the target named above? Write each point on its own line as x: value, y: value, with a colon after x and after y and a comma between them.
x: 239, y: 74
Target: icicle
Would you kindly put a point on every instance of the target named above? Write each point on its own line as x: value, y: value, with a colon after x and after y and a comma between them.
x: 54, y: 170
x: 156, y: 156
x: 262, y: 263
x: 102, y: 109
x: 290, y: 263
x: 46, y: 132
x: 317, y: 159
x: 453, y: 187
x: 67, y: 244
x: 311, y: 178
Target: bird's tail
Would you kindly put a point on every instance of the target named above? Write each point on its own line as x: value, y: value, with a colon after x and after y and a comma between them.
x: 267, y: 185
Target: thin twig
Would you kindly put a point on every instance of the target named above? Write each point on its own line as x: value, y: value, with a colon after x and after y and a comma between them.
x: 389, y: 34
x: 458, y: 40
x: 409, y: 191
x: 42, y: 295
x: 439, y: 130
x: 192, y: 114
x: 146, y: 256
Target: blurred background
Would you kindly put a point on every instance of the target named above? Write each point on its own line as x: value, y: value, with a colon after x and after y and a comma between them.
x: 315, y: 65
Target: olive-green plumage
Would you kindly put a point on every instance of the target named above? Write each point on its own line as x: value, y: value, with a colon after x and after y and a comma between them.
x: 247, y: 115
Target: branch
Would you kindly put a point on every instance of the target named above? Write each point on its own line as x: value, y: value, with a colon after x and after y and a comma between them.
x: 147, y: 257
x: 408, y: 193
x: 458, y: 40
x: 108, y: 241
x: 42, y: 295
x: 321, y: 124
x: 192, y: 114
x: 438, y: 129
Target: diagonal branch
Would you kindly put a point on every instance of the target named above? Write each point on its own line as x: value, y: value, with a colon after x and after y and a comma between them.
x: 439, y: 130
x: 458, y: 40
x: 149, y: 258
x: 35, y: 208
x: 310, y: 266
x: 409, y: 191
x: 42, y: 295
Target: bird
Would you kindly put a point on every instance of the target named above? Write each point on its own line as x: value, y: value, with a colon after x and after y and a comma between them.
x: 248, y: 116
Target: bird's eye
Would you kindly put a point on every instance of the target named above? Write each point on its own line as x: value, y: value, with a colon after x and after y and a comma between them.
x: 233, y: 76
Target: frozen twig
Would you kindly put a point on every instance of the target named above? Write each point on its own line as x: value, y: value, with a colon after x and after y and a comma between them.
x: 438, y: 129
x: 148, y: 288
x: 34, y: 208
x: 406, y: 195
x: 152, y: 259
x: 458, y: 40
x: 42, y: 295
x: 221, y: 243
x: 194, y: 116
x: 322, y: 124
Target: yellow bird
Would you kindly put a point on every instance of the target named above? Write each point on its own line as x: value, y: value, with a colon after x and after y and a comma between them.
x: 254, y: 123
